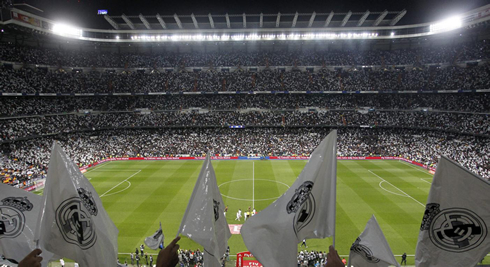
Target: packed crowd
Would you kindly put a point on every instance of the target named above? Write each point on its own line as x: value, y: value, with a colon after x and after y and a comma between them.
x: 22, y: 106
x: 28, y: 80
x: 191, y: 258
x: 78, y: 58
x: 422, y: 146
x: 467, y: 123
x: 280, y: 129
x: 311, y: 258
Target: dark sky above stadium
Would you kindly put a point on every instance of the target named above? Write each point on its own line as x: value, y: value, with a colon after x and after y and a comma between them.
x: 83, y: 12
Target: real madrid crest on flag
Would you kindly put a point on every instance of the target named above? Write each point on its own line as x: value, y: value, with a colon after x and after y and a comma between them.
x: 19, y: 214
x: 364, y: 251
x: 74, y: 223
x: 371, y: 248
x: 74, y: 219
x: 12, y: 218
x: 302, y: 204
x: 216, y: 209
x: 454, y: 229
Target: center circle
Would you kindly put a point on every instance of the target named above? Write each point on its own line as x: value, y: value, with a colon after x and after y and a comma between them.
x: 246, y: 199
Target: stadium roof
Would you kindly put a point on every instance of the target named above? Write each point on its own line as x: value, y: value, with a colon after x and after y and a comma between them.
x: 372, y: 25
x: 250, y: 21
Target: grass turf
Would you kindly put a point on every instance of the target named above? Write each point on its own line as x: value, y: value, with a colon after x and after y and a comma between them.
x: 139, y: 194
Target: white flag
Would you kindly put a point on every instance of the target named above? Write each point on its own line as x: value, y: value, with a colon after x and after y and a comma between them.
x: 203, y: 220
x: 306, y: 210
x: 371, y: 248
x: 454, y: 229
x: 155, y: 239
x: 74, y: 223
x: 19, y: 214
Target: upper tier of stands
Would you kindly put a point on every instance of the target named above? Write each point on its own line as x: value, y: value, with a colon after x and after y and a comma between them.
x: 44, y: 81
x: 456, y: 102
x: 450, y: 53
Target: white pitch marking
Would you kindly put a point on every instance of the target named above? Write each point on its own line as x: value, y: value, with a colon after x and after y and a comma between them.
x: 424, y: 179
x: 129, y: 185
x: 398, y: 194
x: 398, y: 189
x: 246, y: 199
x: 120, y: 183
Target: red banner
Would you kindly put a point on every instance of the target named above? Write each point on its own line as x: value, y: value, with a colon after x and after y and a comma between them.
x: 38, y: 184
x: 302, y: 157
x: 240, y: 262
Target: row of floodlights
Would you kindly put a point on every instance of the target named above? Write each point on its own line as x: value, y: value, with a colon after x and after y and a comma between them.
x: 75, y: 32
x: 253, y: 37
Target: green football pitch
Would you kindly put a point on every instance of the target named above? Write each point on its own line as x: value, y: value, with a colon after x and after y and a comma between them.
x: 140, y: 194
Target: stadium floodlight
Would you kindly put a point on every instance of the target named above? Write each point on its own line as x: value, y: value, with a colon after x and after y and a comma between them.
x: 238, y: 37
x: 254, y: 37
x: 446, y: 25
x: 117, y: 37
x: 67, y: 30
x: 392, y: 34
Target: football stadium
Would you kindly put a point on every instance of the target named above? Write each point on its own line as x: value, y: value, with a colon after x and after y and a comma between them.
x: 276, y: 134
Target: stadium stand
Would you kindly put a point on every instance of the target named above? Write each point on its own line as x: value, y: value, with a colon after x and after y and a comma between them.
x: 59, y: 81
x: 417, y: 126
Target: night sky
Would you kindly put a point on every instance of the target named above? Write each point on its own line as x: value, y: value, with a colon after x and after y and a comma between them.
x: 83, y: 12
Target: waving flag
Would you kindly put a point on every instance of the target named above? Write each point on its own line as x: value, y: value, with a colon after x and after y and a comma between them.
x: 371, y: 248
x: 19, y: 213
x: 306, y: 210
x: 74, y: 223
x: 203, y: 220
x: 156, y: 239
x: 454, y: 230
